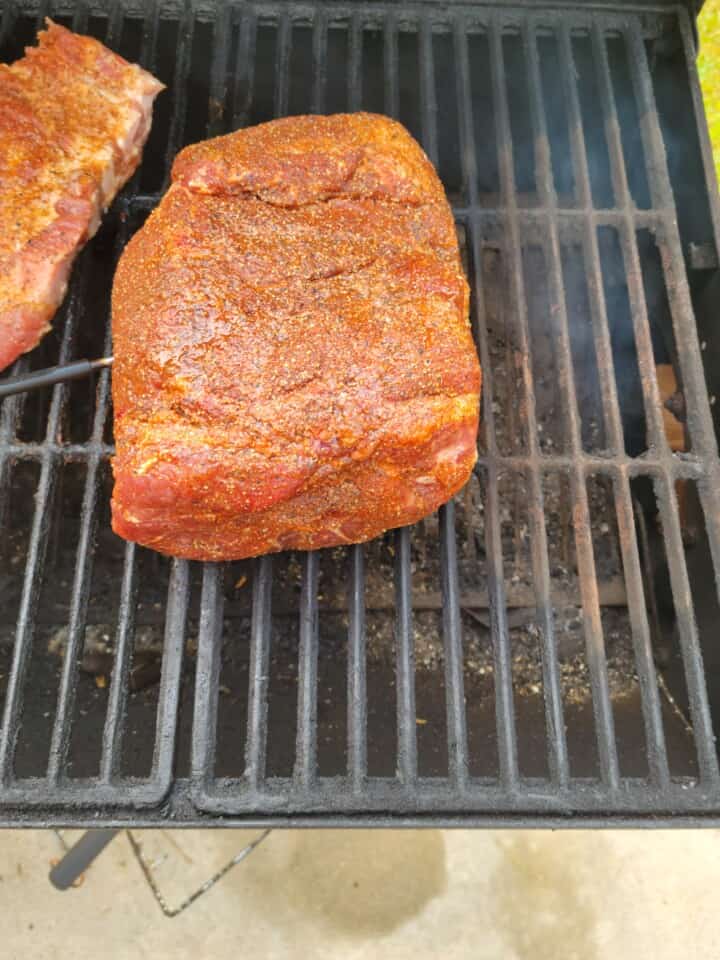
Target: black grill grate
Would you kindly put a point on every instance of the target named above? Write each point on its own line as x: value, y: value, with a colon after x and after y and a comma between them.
x: 552, y: 131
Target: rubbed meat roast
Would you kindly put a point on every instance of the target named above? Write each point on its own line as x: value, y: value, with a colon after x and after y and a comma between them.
x: 73, y: 121
x: 294, y: 366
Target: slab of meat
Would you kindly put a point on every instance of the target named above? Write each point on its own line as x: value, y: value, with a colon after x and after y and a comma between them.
x: 293, y: 361
x: 73, y: 121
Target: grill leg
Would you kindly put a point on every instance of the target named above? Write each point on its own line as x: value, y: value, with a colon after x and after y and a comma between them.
x: 78, y: 858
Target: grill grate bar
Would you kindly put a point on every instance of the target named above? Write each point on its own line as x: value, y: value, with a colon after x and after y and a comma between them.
x: 222, y: 36
x: 357, y: 671
x: 319, y: 40
x: 391, y: 67
x: 244, y: 69
x: 207, y: 673
x: 468, y: 157
x: 428, y: 99
x: 80, y: 16
x: 505, y: 722
x: 115, y: 22
x: 454, y: 685
x: 405, y: 660
x: 117, y: 697
x: 594, y: 640
x: 642, y: 641
x: 595, y: 644
x: 355, y: 64
x: 259, y: 664
x: 452, y: 624
x: 282, y: 65
x: 7, y: 20
x: 173, y: 647
x: 306, y: 745
x: 687, y: 467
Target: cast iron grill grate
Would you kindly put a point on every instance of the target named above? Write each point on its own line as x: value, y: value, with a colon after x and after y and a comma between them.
x: 430, y: 675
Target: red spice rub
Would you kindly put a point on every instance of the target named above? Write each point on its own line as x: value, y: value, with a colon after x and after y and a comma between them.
x: 293, y: 361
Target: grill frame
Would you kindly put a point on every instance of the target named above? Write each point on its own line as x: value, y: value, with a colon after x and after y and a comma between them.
x: 306, y: 798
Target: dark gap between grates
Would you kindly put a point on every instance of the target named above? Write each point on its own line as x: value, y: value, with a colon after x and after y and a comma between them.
x: 568, y: 624
x: 144, y: 662
x: 153, y: 169
x: 198, y: 85
x: 479, y: 670
x: 661, y: 607
x: 283, y: 678
x: 599, y: 170
x: 629, y: 120
x: 231, y: 694
x: 333, y: 573
x: 336, y: 93
x: 373, y: 73
x: 408, y: 78
x: 624, y: 349
x: 516, y: 80
x: 22, y: 34
x: 449, y: 157
x: 617, y: 632
x: 131, y: 40
x: 483, y: 120
x: 97, y: 27
x: 524, y: 630
x: 681, y: 139
x: 426, y: 680
x: 263, y: 108
x: 301, y: 64
x: 583, y: 347
x: 544, y: 347
x: 665, y: 351
x: 557, y: 120
x: 502, y: 329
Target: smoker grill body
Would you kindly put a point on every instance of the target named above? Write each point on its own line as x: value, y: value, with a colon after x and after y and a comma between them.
x: 544, y: 651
